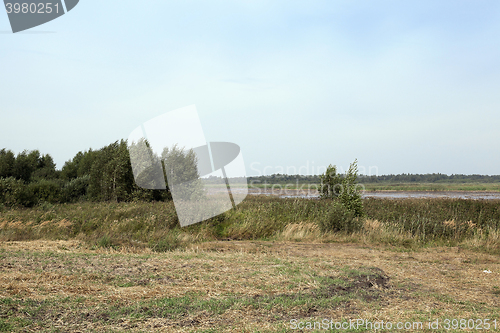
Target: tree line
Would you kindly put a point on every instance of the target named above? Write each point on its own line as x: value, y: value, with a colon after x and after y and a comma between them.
x: 30, y: 178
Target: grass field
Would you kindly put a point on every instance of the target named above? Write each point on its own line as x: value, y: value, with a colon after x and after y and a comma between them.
x: 112, y: 267
x: 239, y: 286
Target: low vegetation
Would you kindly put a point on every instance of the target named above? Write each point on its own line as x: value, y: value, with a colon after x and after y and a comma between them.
x: 473, y: 224
x: 85, y: 249
x: 128, y: 266
x: 244, y: 286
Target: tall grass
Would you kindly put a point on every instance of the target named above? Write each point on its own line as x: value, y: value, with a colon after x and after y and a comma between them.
x: 405, y: 222
x: 428, y: 214
x: 109, y: 224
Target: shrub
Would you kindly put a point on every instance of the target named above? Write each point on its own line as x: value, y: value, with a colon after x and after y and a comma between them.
x: 14, y: 192
x: 343, y: 188
x: 75, y: 189
x: 46, y: 190
x: 339, y: 218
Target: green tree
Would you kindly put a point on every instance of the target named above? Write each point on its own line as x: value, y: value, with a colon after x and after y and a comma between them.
x: 148, y: 167
x: 85, y: 162
x: 69, y: 170
x: 26, y: 162
x: 150, y: 182
x: 342, y: 188
x: 45, y: 168
x: 182, y: 172
x: 75, y: 189
x: 111, y: 175
x: 7, y: 161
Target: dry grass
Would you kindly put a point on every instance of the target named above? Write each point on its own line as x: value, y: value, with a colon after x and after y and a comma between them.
x: 302, y: 231
x: 103, y: 267
x: 238, y: 285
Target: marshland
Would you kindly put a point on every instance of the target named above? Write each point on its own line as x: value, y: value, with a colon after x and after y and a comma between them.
x: 128, y: 266
x: 77, y: 254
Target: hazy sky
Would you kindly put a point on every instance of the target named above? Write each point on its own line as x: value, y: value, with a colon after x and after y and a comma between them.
x: 403, y: 86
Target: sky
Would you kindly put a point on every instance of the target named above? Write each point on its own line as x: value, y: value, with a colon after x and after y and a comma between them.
x: 401, y: 86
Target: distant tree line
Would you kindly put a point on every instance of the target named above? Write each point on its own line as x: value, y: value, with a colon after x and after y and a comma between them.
x: 400, y: 178
x: 31, y: 178
x: 430, y: 178
x: 283, y: 179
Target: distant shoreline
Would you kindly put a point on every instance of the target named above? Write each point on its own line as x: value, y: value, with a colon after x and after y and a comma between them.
x: 391, y: 194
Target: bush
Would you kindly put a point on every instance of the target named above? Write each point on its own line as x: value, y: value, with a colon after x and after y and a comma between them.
x: 75, y: 189
x: 14, y: 192
x: 343, y: 188
x: 46, y: 190
x: 6, y: 189
x: 339, y: 218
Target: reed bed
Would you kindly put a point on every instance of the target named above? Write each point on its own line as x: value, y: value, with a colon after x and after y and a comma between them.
x: 473, y: 224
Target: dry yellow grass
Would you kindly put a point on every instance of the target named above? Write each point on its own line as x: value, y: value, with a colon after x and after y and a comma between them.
x: 303, y: 231
x: 444, y: 282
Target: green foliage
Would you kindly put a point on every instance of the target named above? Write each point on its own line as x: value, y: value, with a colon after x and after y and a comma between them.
x: 46, y: 190
x: 103, y: 175
x: 176, y: 167
x: 111, y: 175
x: 141, y: 194
x: 434, y: 178
x: 332, y: 184
x: 75, y: 189
x: 338, y: 218
x: 148, y: 167
x: 5, y: 326
x: 182, y: 172
x: 25, y: 165
x: 69, y: 170
x: 14, y: 192
x: 45, y: 168
x: 430, y: 178
x: 7, y: 161
x: 342, y: 188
